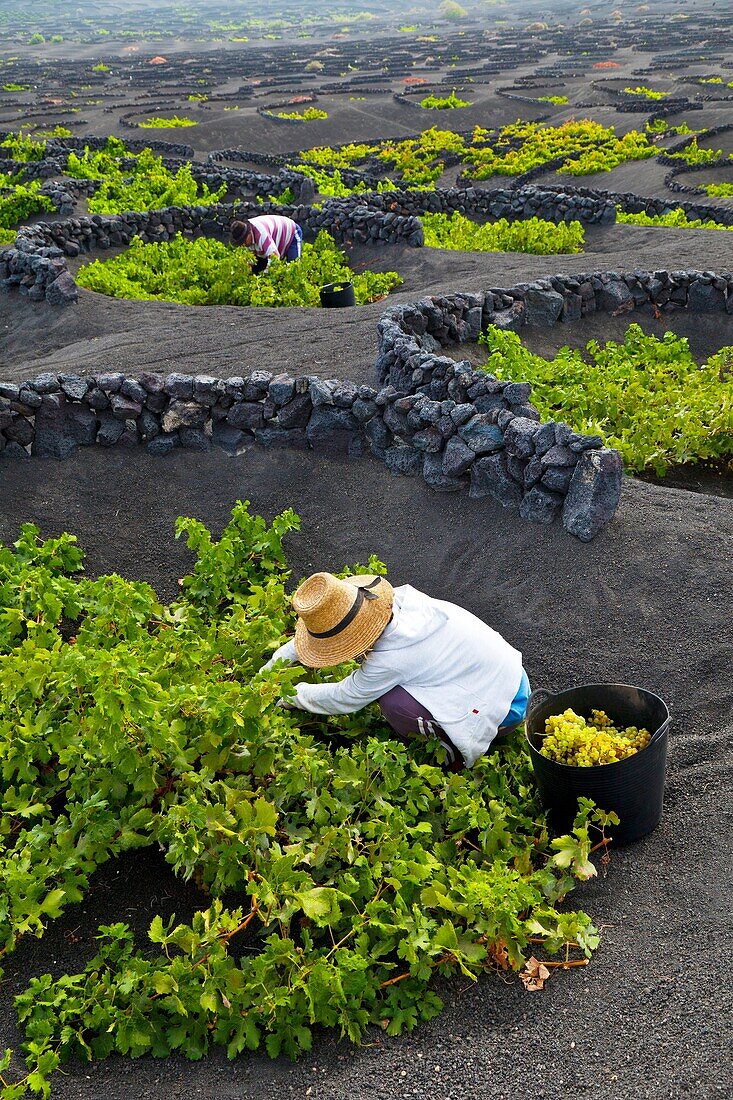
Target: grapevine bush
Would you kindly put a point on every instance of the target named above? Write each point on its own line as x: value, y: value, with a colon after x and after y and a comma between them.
x: 20, y: 200
x: 675, y: 219
x: 137, y: 181
x: 720, y: 190
x: 531, y: 235
x: 587, y: 146
x: 331, y: 184
x: 23, y: 147
x: 444, y: 103
x: 152, y: 188
x: 310, y: 114
x: 648, y: 93
x: 693, y: 154
x: 156, y: 122
x: 208, y: 272
x: 356, y: 867
x: 646, y: 397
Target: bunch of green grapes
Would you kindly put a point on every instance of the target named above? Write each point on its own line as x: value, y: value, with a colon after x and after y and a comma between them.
x: 570, y: 739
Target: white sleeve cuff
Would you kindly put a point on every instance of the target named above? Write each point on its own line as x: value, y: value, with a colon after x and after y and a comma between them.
x: 286, y: 653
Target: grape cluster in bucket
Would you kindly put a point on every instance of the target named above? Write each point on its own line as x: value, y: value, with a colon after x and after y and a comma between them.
x: 571, y: 739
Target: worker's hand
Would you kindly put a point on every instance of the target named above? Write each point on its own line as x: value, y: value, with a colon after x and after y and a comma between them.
x: 288, y: 704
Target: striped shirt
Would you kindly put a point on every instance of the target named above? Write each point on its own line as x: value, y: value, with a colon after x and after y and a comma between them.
x: 273, y: 234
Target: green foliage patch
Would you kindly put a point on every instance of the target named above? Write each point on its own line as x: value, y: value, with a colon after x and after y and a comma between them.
x: 23, y: 147
x: 648, y: 93
x: 531, y: 235
x: 137, y: 181
x: 444, y: 103
x: 310, y: 114
x: 156, y: 122
x: 693, y: 154
x: 363, y: 868
x: 587, y: 146
x: 20, y: 200
x: 153, y: 188
x: 331, y: 184
x: 647, y: 397
x: 720, y: 190
x: 674, y: 219
x: 208, y: 272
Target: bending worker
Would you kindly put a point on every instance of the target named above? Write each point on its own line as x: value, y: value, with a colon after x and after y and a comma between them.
x: 434, y: 668
x: 270, y: 237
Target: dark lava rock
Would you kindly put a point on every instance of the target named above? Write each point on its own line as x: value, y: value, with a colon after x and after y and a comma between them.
x: 403, y: 460
x: 295, y: 413
x: 282, y: 437
x: 594, y: 493
x: 519, y: 436
x: 331, y: 429
x: 63, y: 291
x: 490, y: 477
x: 163, y: 444
x: 73, y: 386
x: 246, y: 414
x: 481, y: 435
x: 61, y: 426
x: 194, y: 439
x: 613, y: 295
x: 378, y: 435
x: 543, y: 307
x: 183, y: 414
x: 705, y: 298
x: 435, y: 477
x: 457, y: 457
x: 229, y: 439
x: 540, y: 505
x: 110, y: 430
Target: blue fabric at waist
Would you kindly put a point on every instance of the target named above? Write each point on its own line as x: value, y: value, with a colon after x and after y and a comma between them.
x: 518, y: 709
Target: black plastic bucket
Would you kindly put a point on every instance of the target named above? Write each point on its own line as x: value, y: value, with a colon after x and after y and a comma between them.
x: 337, y: 295
x: 633, y: 788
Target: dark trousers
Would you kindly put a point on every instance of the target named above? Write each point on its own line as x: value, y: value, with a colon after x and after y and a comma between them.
x: 410, y: 719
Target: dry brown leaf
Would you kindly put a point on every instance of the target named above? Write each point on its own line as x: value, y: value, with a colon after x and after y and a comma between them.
x: 534, y: 975
x: 499, y: 955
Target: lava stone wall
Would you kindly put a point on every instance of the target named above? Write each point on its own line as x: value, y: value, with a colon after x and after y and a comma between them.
x: 500, y: 202
x: 452, y: 426
x: 428, y: 416
x: 644, y: 204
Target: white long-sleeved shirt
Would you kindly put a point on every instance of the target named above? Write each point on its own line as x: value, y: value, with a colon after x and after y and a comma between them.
x: 456, y: 666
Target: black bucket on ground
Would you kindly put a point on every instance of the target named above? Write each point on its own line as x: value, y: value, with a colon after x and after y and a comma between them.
x: 633, y: 788
x: 337, y: 295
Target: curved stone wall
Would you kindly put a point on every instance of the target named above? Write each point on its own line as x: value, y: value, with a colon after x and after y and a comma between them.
x: 427, y: 416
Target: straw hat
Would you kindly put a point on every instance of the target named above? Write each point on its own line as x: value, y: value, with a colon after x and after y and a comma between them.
x: 339, y: 619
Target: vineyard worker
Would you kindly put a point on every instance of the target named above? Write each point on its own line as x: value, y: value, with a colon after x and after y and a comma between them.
x: 433, y: 667
x: 270, y: 237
